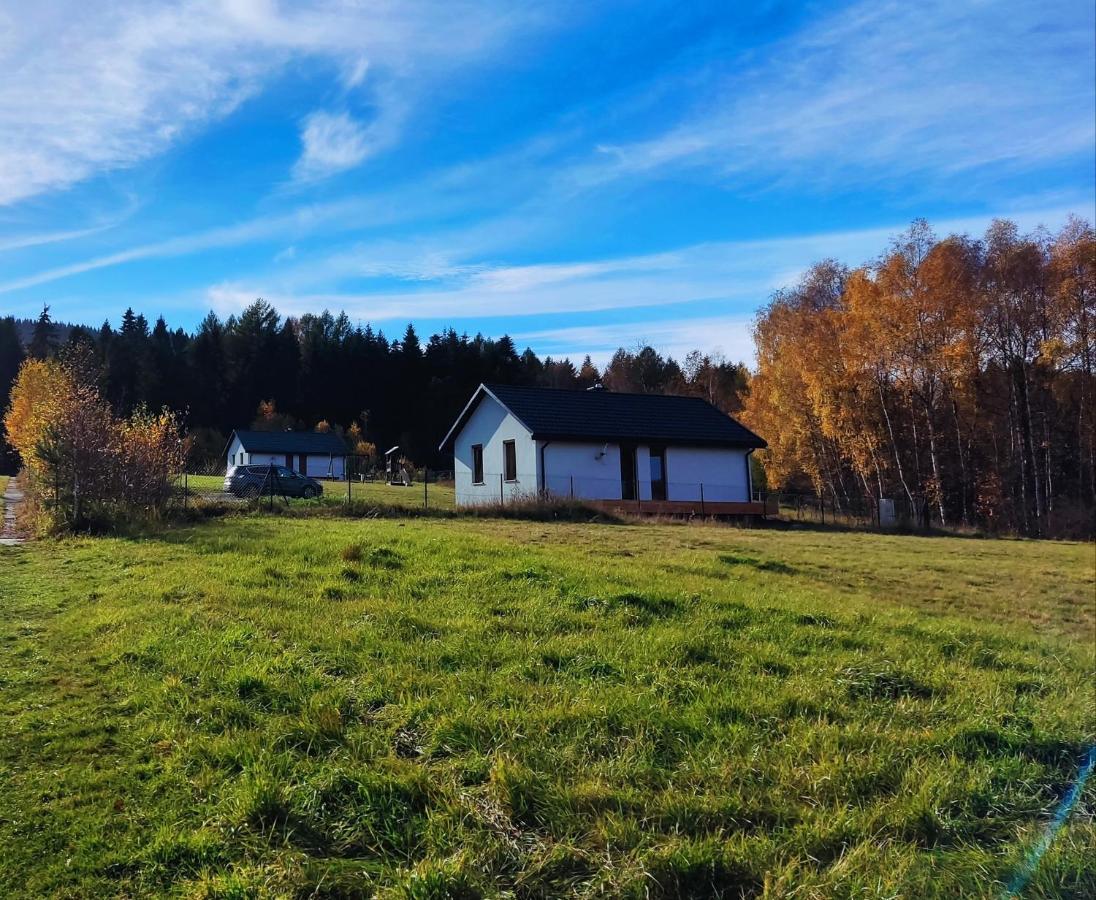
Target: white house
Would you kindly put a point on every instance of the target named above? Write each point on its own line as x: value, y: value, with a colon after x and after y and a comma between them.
x: 676, y: 453
x: 314, y: 453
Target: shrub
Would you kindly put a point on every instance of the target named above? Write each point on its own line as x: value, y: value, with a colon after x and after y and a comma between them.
x: 84, y: 464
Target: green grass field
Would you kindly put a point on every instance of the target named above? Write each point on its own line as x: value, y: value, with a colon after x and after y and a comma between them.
x: 440, y: 496
x: 259, y: 706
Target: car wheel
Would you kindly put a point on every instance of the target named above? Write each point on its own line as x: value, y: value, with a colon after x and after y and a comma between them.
x: 308, y: 492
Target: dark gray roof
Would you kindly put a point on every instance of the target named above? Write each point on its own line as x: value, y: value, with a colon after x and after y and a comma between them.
x: 291, y: 442
x: 598, y: 415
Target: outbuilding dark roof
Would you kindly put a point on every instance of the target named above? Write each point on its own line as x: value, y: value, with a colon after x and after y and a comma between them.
x: 320, y: 442
x: 599, y: 415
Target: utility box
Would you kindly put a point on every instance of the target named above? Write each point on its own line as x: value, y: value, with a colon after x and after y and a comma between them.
x: 887, y: 518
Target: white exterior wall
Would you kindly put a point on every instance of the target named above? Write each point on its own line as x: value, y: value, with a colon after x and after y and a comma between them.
x: 233, y: 456
x: 594, y: 476
x: 491, y: 424
x: 322, y: 466
x: 317, y: 465
x: 587, y: 470
x: 722, y: 471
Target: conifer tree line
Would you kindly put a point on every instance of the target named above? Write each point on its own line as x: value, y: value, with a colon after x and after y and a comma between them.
x: 955, y: 372
x: 259, y: 369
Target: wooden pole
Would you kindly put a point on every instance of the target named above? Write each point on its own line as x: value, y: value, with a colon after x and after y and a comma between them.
x: 702, y: 498
x: 425, y: 490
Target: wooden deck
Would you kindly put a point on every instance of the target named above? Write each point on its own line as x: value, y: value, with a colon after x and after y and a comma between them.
x: 678, y: 507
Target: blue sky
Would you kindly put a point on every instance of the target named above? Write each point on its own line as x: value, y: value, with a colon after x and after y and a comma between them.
x: 583, y: 175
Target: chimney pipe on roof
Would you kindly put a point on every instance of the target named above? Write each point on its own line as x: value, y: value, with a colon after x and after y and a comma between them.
x: 596, y: 387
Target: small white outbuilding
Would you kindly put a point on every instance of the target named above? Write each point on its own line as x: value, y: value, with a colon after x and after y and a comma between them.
x: 317, y: 454
x: 661, y: 453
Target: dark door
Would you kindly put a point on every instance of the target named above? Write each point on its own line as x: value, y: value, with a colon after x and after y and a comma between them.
x: 658, y: 473
x: 289, y: 460
x: 628, y: 471
x: 302, y: 463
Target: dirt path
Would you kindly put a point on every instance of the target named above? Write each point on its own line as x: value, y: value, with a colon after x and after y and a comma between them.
x: 13, y: 499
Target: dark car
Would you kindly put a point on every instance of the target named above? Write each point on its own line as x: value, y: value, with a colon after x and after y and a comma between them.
x: 253, y: 481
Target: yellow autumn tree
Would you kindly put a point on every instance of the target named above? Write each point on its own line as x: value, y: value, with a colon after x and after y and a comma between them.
x: 39, y: 397
x: 84, y: 464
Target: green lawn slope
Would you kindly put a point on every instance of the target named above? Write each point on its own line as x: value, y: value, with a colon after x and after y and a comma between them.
x: 255, y: 706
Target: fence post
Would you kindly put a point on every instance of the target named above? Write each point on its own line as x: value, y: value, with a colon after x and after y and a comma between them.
x: 346, y: 472
x: 572, y: 487
x: 425, y: 489
x: 186, y: 488
x: 702, y: 498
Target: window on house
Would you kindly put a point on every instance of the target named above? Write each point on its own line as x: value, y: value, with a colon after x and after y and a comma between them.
x: 477, y: 464
x: 509, y: 461
x: 658, y: 473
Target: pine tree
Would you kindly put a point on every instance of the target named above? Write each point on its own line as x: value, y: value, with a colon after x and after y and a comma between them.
x: 588, y: 375
x: 11, y: 358
x: 43, y: 342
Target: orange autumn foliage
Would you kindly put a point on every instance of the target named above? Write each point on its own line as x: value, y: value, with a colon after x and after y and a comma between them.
x: 41, y: 394
x: 957, y: 374
x: 84, y: 464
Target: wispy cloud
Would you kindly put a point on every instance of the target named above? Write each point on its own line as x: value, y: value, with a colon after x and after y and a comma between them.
x: 726, y: 335
x: 334, y: 216
x: 884, y: 89
x: 22, y: 241
x: 331, y: 143
x: 736, y: 275
x: 86, y: 88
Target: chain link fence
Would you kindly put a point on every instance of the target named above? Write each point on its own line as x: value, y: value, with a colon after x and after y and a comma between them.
x: 366, y: 484
x: 902, y: 513
x: 266, y: 485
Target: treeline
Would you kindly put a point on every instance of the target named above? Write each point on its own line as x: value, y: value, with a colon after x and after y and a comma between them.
x: 323, y: 369
x: 953, y: 372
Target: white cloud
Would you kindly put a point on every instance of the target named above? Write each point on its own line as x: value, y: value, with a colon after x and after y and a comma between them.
x: 730, y: 336
x: 22, y: 241
x: 736, y: 276
x: 355, y: 73
x: 90, y: 87
x: 331, y: 143
x: 336, y: 216
x: 884, y: 89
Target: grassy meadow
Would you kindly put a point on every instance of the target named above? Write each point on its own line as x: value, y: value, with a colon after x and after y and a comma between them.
x: 440, y: 495
x: 261, y: 706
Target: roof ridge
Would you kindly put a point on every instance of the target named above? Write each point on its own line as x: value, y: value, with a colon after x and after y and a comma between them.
x: 492, y: 385
x: 562, y: 414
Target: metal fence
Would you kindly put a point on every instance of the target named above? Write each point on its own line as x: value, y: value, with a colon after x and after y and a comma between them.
x: 424, y: 488
x: 268, y: 485
x: 850, y: 512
